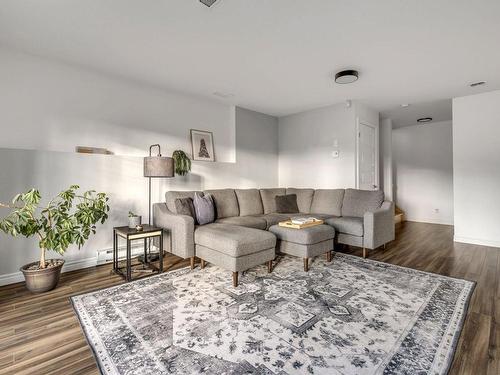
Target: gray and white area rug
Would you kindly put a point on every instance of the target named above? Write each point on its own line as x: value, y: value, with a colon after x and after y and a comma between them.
x: 351, y: 316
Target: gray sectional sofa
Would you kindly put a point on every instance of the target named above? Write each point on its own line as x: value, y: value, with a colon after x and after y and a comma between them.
x: 360, y: 218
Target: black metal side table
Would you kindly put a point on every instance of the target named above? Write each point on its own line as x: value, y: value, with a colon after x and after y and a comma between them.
x: 130, y: 234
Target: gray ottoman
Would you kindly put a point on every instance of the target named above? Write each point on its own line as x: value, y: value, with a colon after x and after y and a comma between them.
x: 305, y: 243
x: 233, y: 247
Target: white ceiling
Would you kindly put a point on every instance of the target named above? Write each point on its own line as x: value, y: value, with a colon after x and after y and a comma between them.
x: 275, y: 56
x: 439, y: 110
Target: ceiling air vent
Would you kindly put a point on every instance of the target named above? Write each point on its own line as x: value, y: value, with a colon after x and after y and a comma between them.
x: 208, y: 3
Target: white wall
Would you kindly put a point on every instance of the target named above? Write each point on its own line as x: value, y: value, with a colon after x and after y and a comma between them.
x: 386, y: 177
x: 476, y: 168
x: 307, y: 140
x: 423, y: 171
x: 40, y: 98
x: 52, y: 106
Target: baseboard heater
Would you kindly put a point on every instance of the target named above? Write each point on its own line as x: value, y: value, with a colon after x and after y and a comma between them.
x: 105, y: 256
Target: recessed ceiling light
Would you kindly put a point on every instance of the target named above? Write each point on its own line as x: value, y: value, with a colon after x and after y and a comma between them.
x: 480, y: 83
x: 424, y: 119
x: 405, y: 105
x: 223, y: 94
x: 346, y: 76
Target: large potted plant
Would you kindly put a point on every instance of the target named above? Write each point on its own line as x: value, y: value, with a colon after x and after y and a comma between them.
x: 67, y: 219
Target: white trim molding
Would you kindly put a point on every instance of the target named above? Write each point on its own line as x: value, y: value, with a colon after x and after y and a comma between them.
x: 18, y: 277
x: 100, y: 258
x: 477, y: 241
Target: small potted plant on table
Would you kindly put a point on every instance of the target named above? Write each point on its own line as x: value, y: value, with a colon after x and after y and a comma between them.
x: 134, y: 220
x: 67, y: 219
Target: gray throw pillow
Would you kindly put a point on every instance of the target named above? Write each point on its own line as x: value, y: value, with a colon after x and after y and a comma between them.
x: 204, y: 208
x: 286, y: 204
x: 185, y: 206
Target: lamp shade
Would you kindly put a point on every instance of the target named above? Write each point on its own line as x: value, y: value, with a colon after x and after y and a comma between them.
x: 158, y: 166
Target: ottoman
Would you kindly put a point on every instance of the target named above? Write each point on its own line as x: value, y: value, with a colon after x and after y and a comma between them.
x: 233, y: 247
x: 305, y: 243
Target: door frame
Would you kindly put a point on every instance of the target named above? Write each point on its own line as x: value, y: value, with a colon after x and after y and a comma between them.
x: 377, y: 156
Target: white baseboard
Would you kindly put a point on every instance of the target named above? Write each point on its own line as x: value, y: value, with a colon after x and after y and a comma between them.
x: 430, y: 220
x: 18, y: 277
x: 477, y: 241
x: 73, y: 265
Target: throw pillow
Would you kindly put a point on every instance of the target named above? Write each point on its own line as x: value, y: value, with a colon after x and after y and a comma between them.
x: 185, y: 206
x: 204, y: 208
x: 286, y: 204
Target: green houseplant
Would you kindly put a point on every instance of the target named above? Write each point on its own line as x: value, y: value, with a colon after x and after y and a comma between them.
x: 182, y: 162
x: 67, y: 219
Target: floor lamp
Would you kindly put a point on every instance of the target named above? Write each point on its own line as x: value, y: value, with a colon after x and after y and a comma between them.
x: 156, y: 167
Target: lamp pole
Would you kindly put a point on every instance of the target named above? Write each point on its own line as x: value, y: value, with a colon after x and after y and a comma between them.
x: 149, y: 202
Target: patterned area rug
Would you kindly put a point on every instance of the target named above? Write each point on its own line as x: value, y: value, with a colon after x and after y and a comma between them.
x: 351, y: 316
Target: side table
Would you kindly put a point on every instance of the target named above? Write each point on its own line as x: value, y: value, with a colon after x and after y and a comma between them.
x: 131, y: 234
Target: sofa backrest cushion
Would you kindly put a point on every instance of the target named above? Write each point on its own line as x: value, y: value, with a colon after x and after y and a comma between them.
x: 268, y: 198
x: 357, y: 202
x: 226, y: 204
x: 304, y: 198
x: 171, y: 196
x: 249, y: 201
x: 327, y: 201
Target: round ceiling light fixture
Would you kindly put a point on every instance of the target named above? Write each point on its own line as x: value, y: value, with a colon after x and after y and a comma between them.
x: 346, y: 76
x: 424, y: 119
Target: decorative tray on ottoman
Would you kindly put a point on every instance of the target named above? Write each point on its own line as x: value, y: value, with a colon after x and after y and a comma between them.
x: 300, y: 223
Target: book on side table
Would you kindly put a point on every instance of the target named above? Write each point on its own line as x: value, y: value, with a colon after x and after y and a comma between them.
x: 301, y: 222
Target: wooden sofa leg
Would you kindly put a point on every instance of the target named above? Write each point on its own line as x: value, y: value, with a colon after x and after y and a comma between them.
x: 364, y: 252
x: 306, y: 264
x: 270, y: 266
x: 192, y: 263
x: 329, y: 256
x: 235, y: 279
x: 202, y: 264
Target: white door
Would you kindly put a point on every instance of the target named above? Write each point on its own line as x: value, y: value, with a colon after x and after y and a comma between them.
x: 367, y: 161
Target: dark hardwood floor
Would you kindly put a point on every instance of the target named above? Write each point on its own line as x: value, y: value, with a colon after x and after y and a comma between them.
x: 40, y: 334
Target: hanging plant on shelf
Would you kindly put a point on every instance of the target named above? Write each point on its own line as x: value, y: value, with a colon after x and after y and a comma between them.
x: 182, y: 162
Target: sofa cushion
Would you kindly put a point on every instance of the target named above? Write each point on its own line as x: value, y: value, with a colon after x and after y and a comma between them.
x: 347, y: 225
x: 245, y: 221
x: 233, y: 240
x: 306, y: 236
x: 304, y: 198
x: 185, y: 206
x: 171, y: 196
x: 249, y: 202
x: 226, y: 204
x: 357, y: 202
x: 273, y: 219
x: 268, y: 201
x: 286, y: 204
x: 204, y: 208
x: 328, y: 201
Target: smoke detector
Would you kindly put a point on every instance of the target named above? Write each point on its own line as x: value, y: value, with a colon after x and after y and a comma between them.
x: 208, y: 3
